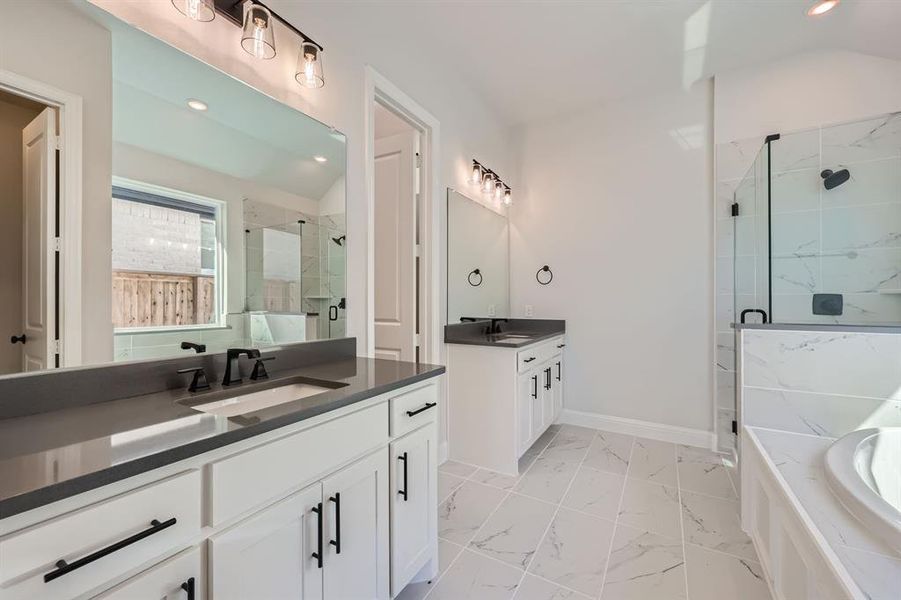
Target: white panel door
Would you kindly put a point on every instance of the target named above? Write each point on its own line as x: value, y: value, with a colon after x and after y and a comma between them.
x: 395, y: 247
x: 271, y: 555
x: 527, y: 393
x: 178, y: 578
x: 38, y: 231
x: 356, y: 509
x: 558, y: 385
x: 413, y: 504
x: 546, y: 376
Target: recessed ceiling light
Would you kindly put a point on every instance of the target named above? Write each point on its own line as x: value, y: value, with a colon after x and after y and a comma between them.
x: 320, y: 159
x: 821, y: 7
x: 196, y: 104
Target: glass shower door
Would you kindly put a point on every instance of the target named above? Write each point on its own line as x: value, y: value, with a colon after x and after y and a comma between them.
x: 751, y: 271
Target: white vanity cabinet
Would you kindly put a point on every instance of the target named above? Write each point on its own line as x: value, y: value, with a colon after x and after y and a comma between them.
x: 500, y: 400
x: 312, y: 510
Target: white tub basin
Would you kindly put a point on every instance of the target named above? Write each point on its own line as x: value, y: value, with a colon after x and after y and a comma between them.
x: 863, y: 469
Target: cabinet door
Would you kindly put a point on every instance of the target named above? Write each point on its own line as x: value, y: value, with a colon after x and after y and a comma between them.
x: 270, y: 555
x: 413, y: 504
x: 178, y: 578
x: 527, y: 393
x: 558, y: 385
x: 546, y: 377
x: 356, y: 508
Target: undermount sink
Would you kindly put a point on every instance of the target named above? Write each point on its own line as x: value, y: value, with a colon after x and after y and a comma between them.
x: 513, y: 336
x: 265, y: 398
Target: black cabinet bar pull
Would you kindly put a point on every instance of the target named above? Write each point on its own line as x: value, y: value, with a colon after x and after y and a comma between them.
x: 403, y: 492
x: 561, y: 345
x: 559, y: 371
x: 318, y: 554
x: 428, y: 405
x: 337, y: 541
x: 547, y: 378
x: 535, y: 386
x: 530, y: 359
x: 63, y: 567
x: 188, y: 587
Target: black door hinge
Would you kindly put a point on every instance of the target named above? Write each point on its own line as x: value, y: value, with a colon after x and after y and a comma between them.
x: 735, y: 209
x: 735, y: 427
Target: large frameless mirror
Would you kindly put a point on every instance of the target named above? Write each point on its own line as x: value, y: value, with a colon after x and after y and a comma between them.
x: 478, y: 260
x: 211, y: 216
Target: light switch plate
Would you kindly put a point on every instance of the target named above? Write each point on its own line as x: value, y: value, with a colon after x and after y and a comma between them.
x: 492, y: 310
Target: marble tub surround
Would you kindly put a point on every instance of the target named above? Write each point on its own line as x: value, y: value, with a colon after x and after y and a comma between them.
x: 855, y: 554
x: 474, y: 333
x: 593, y: 515
x: 825, y: 383
x: 126, y: 419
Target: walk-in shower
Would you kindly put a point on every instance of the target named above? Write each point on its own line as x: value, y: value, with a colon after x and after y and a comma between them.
x: 808, y: 232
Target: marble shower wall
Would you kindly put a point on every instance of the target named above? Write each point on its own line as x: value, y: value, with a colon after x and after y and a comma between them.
x: 820, y: 383
x: 841, y: 241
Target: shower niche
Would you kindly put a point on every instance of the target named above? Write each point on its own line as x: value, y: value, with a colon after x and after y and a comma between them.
x: 295, y: 270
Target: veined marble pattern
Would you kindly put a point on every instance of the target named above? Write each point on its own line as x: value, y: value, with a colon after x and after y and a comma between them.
x: 703, y: 472
x: 874, y: 566
x: 582, y: 521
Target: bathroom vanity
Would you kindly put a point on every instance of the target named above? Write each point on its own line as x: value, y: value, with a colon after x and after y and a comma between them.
x: 505, y: 388
x: 164, y: 493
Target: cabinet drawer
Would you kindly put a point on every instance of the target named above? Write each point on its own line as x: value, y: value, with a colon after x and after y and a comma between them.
x: 414, y: 409
x: 154, y: 519
x: 537, y: 354
x: 241, y: 482
x: 174, y: 579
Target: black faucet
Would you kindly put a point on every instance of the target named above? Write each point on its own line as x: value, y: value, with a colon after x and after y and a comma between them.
x: 198, y: 348
x: 495, y: 326
x: 231, y: 363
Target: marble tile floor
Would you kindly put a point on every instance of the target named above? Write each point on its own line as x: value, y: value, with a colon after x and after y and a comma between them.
x: 593, y: 515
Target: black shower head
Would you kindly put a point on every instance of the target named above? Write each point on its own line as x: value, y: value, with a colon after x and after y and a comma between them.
x: 833, y: 179
x: 339, y: 240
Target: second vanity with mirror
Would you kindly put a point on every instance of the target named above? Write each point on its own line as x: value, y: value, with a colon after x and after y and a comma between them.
x: 505, y: 376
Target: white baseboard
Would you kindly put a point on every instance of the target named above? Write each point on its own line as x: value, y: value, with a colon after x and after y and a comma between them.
x: 645, y: 429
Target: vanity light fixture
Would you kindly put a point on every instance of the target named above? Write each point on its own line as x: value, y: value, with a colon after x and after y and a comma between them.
x: 196, y: 10
x: 320, y: 159
x: 198, y: 105
x: 490, y: 183
x: 257, y: 22
x: 821, y: 8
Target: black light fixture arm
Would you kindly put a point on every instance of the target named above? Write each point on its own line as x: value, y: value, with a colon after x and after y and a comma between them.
x: 234, y: 11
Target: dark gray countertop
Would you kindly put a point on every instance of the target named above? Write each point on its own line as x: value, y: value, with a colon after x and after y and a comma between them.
x: 473, y: 334
x: 116, y: 439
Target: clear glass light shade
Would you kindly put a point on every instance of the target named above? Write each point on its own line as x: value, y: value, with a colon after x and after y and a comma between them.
x: 476, y: 173
x: 196, y: 10
x: 508, y: 196
x: 498, y: 190
x: 309, y: 66
x: 488, y: 183
x: 258, y: 38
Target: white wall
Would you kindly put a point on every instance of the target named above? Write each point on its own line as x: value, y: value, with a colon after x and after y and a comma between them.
x: 617, y: 202
x: 804, y: 91
x: 52, y: 42
x: 468, y: 127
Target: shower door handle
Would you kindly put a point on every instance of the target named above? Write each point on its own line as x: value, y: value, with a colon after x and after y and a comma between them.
x: 759, y: 311
x: 333, y: 313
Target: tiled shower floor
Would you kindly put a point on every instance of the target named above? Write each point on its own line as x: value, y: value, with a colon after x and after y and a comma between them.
x: 594, y: 515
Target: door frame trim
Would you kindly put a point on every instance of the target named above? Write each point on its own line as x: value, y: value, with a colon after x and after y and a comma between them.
x: 69, y: 109
x: 379, y: 89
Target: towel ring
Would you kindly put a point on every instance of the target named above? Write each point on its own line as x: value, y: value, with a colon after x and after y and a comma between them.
x: 470, y: 276
x: 544, y: 269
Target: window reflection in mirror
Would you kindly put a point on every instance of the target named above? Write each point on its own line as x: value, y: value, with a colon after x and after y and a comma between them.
x: 208, y: 210
x: 478, y: 264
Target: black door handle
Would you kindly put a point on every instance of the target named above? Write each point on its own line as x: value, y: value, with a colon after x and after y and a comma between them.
x: 63, y: 567
x: 403, y: 492
x: 759, y: 311
x: 333, y: 316
x: 561, y: 345
x: 559, y: 371
x: 17, y: 339
x: 535, y: 386
x: 428, y: 405
x: 547, y: 378
x: 188, y: 587
x: 318, y: 554
x: 530, y: 359
x: 337, y: 541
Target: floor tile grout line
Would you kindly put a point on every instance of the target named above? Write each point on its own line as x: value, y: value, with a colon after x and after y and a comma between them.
x: 681, y: 522
x: 557, y: 509
x: 487, y: 518
x: 619, y: 508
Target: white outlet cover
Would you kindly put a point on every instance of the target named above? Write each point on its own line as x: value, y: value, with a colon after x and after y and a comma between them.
x: 529, y: 311
x: 492, y: 310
